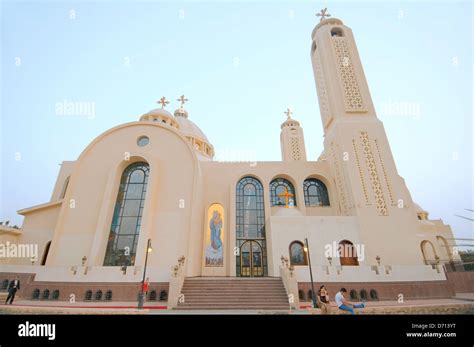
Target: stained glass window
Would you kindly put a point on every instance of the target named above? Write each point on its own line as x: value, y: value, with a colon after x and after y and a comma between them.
x: 126, y: 221
x: 315, y: 193
x: 282, y: 193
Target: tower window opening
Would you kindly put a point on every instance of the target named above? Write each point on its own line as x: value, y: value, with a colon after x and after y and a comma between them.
x: 337, y: 32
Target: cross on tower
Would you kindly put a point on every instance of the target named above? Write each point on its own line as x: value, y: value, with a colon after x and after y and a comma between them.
x: 182, y: 99
x: 323, y: 14
x: 163, y: 102
x: 288, y: 113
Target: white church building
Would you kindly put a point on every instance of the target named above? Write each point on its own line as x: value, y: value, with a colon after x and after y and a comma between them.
x: 219, y: 229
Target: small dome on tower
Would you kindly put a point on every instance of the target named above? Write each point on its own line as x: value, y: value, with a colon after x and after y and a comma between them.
x: 289, y: 122
x: 181, y: 112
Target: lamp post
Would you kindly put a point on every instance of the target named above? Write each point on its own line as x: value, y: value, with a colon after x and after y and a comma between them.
x: 313, y: 296
x: 141, y: 297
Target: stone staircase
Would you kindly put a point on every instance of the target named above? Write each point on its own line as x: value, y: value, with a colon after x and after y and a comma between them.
x: 233, y: 293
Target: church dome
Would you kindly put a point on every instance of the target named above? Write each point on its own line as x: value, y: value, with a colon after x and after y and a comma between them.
x: 189, y: 128
x: 194, y: 134
x: 160, y: 115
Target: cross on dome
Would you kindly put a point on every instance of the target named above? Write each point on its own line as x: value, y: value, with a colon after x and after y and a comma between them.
x: 163, y: 102
x: 288, y: 113
x: 323, y: 13
x: 182, y: 99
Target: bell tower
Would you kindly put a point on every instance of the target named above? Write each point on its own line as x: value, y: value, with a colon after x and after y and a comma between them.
x: 355, y: 144
x: 292, y: 140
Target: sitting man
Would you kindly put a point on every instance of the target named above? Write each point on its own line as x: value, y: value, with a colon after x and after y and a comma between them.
x: 343, y: 304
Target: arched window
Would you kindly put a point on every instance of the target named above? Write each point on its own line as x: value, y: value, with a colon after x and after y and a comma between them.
x: 297, y: 254
x: 445, y: 250
x: 429, y: 253
x: 55, y: 295
x: 126, y: 221
x: 337, y: 32
x: 108, y: 295
x: 98, y: 295
x: 315, y: 193
x: 301, y: 295
x: 163, y: 295
x: 36, y: 294
x: 64, y: 189
x: 348, y: 253
x: 374, y: 295
x: 45, y: 253
x: 282, y: 193
x: 152, y: 296
x: 251, y: 260
x: 353, y: 295
x: 363, y: 295
x: 5, y: 284
x: 45, y: 295
x: 88, y: 295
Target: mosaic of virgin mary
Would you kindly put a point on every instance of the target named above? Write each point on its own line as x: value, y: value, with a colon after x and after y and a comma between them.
x: 214, y: 251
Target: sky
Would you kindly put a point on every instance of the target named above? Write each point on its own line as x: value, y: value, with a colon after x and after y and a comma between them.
x: 240, y: 64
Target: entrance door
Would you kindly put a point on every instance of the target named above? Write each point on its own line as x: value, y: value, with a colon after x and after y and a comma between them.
x: 251, y: 260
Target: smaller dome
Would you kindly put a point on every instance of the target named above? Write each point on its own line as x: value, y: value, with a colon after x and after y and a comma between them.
x: 181, y: 112
x: 160, y: 115
x: 158, y: 112
x: 290, y: 122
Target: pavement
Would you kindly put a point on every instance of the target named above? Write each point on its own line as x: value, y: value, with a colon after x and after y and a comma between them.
x: 461, y: 301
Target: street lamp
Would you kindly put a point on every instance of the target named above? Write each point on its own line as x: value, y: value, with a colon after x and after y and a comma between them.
x: 306, y: 250
x: 141, y: 297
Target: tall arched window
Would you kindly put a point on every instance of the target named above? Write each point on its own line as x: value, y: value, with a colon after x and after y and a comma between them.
x: 45, y: 253
x: 348, y: 253
x: 297, y: 254
x: 315, y: 193
x: 251, y: 260
x: 282, y: 193
x: 428, y: 251
x: 64, y: 189
x: 126, y: 222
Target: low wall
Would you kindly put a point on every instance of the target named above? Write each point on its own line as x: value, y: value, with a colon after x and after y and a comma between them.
x: 120, y: 291
x: 462, y: 282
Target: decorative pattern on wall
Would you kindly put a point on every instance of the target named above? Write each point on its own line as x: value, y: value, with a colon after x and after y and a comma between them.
x: 387, y: 182
x: 361, y: 174
x: 352, y: 96
x: 321, y: 89
x: 373, y: 175
x: 340, y: 182
x: 295, y: 148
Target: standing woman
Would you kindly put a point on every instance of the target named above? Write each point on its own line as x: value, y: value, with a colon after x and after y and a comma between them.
x: 323, y: 300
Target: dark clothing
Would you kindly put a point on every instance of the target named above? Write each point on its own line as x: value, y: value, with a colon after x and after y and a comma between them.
x: 12, y: 289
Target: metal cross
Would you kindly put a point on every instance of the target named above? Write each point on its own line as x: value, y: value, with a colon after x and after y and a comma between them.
x: 163, y: 102
x: 182, y: 99
x: 288, y: 113
x: 323, y: 14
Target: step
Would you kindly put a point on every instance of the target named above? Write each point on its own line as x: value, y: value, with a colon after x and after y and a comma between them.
x: 234, y: 293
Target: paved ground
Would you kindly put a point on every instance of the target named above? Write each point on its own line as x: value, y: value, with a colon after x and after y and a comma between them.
x: 461, y: 302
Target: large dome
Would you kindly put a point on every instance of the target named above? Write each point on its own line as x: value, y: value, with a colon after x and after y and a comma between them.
x: 186, y: 127
x: 189, y: 128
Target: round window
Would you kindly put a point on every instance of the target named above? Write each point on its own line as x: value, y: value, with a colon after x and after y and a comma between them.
x: 143, y: 141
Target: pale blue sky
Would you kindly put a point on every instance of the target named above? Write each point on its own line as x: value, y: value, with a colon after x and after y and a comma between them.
x: 240, y: 64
